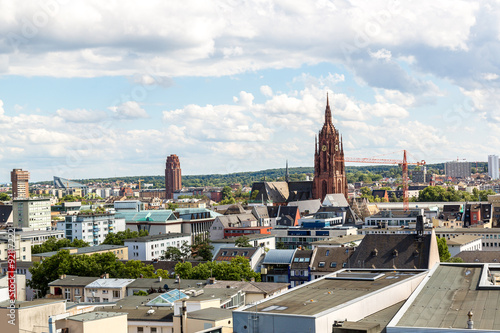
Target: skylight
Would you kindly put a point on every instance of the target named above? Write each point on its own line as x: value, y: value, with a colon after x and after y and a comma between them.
x: 167, y: 299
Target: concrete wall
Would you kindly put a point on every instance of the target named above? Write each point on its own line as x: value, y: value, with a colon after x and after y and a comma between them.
x: 31, y: 319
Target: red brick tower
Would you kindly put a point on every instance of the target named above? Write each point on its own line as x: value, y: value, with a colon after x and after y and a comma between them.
x: 329, y: 166
x: 173, y: 180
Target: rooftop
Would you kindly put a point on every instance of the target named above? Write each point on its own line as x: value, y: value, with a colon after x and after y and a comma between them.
x: 318, y: 296
x: 214, y: 314
x: 451, y: 291
x: 109, y: 283
x: 152, y: 238
x: 95, y: 316
x: 339, y: 240
x: 462, y: 239
x: 251, y: 237
x: 83, y: 250
x: 73, y: 280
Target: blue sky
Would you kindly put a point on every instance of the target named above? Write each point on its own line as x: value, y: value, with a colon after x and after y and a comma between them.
x: 102, y: 89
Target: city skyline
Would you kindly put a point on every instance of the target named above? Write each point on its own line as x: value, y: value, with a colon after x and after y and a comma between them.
x: 91, y: 89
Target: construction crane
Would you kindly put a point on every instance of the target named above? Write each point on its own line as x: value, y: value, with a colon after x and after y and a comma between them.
x: 404, y: 164
x: 140, y: 181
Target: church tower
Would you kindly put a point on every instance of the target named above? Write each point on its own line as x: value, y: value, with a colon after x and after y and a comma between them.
x: 329, y: 166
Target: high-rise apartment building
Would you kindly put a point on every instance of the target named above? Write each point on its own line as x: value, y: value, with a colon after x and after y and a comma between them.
x: 31, y: 213
x: 173, y: 180
x: 493, y: 166
x: 20, y: 185
x: 457, y: 169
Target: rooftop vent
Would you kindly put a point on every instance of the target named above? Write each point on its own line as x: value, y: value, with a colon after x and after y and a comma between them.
x: 375, y: 252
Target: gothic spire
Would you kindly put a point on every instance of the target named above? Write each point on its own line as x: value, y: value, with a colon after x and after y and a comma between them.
x: 328, y: 112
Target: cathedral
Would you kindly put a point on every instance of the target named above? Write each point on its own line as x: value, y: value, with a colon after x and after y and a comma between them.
x: 329, y: 172
x: 329, y: 166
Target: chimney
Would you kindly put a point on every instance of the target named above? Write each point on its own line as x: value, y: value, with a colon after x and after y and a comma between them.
x: 106, y: 276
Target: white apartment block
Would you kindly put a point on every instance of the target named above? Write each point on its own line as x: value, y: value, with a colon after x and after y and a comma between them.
x: 92, y: 228
x: 152, y: 247
x: 31, y: 213
x: 493, y: 166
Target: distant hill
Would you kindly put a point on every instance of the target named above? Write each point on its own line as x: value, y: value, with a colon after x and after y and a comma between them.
x: 354, y: 173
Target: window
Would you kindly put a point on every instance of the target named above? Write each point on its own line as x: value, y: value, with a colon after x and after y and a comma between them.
x: 67, y: 293
x: 116, y: 294
x: 140, y: 329
x: 235, y: 253
x: 153, y: 329
x: 224, y: 253
x: 333, y: 264
x: 321, y: 264
x: 77, y: 291
x: 327, y: 253
x: 344, y: 265
x: 104, y: 291
x: 105, y: 300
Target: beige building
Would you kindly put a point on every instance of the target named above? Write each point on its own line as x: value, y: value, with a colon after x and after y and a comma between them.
x: 30, y: 316
x: 23, y: 248
x: 69, y: 287
x: 94, y: 322
x: 200, y: 320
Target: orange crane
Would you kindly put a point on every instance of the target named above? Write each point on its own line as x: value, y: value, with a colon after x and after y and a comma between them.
x: 140, y: 181
x: 404, y: 164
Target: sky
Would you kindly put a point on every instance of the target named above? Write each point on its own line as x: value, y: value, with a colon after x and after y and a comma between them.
x: 94, y: 89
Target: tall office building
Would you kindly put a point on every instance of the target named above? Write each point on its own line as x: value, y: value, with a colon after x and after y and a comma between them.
x: 173, y: 179
x: 20, y: 185
x: 457, y: 169
x: 493, y: 166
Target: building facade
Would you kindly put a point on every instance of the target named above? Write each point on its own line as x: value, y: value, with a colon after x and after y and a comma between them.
x: 92, y: 228
x: 457, y: 169
x: 152, y: 247
x: 173, y: 180
x: 329, y: 166
x: 493, y: 167
x: 31, y: 213
x: 20, y: 185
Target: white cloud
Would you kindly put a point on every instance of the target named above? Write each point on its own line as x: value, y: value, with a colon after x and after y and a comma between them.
x: 266, y: 91
x: 82, y: 116
x: 489, y: 76
x: 129, y: 110
x: 381, y: 54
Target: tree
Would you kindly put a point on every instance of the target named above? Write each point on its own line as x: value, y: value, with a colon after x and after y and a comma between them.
x: 83, y: 265
x: 280, y: 246
x: 172, y: 253
x: 444, y: 253
x: 242, y: 241
x: 4, y: 197
x: 140, y: 293
x: 119, y: 237
x: 238, y: 269
x: 202, y: 248
x: 52, y: 244
x: 227, y: 193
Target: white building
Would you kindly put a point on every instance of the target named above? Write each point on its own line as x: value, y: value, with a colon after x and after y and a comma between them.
x: 31, y: 213
x: 493, y: 166
x: 106, y: 290
x: 457, y: 244
x: 152, y: 247
x: 92, y: 228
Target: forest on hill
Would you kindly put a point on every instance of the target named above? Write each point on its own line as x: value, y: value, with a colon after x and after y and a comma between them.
x: 366, y: 173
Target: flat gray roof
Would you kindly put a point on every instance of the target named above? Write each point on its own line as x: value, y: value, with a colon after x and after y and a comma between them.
x: 95, y: 316
x: 450, y: 293
x: 326, y: 293
x: 151, y: 238
x: 211, y: 314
